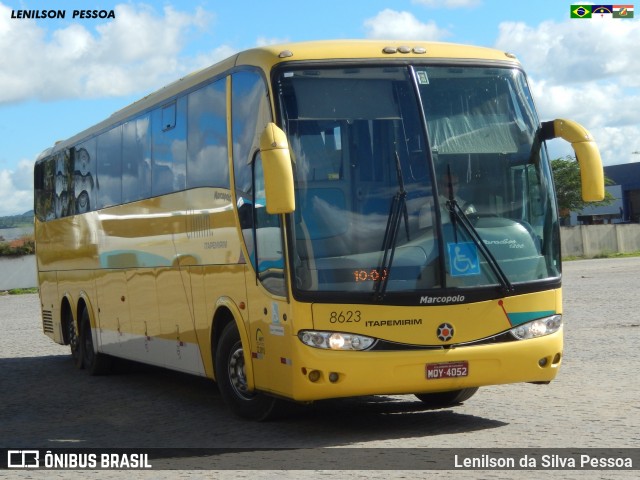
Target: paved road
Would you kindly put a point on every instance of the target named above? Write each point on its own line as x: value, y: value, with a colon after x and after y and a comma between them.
x: 45, y: 402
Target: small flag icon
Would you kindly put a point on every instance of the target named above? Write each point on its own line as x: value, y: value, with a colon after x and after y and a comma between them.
x: 581, y: 11
x: 623, y: 11
x: 602, y: 11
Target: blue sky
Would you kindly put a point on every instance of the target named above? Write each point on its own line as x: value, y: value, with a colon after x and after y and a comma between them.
x: 58, y: 77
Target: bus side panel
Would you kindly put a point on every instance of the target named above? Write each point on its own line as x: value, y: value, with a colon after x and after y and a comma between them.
x: 112, y: 310
x: 202, y: 318
x: 176, y: 321
x: 143, y: 315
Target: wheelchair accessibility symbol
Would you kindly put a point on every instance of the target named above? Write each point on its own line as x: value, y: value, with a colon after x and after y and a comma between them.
x: 463, y: 259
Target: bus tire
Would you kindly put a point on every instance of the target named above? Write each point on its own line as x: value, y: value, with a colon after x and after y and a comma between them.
x: 95, y: 362
x: 446, y: 399
x: 232, y: 382
x: 75, y: 343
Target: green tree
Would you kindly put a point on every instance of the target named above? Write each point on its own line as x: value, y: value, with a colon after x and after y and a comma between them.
x: 566, y: 175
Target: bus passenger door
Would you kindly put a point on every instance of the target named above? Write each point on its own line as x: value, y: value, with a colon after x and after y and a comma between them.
x: 269, y: 326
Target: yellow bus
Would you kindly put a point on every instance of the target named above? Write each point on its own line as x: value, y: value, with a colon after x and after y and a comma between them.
x: 315, y: 220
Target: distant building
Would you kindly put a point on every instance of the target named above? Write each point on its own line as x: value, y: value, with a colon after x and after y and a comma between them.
x: 628, y: 177
x: 626, y: 191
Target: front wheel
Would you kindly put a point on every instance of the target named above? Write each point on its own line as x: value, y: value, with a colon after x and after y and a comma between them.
x: 232, y: 380
x: 446, y: 399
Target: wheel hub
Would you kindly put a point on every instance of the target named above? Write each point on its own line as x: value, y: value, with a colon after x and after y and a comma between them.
x: 237, y: 374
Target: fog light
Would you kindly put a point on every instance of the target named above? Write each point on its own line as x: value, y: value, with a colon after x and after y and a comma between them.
x: 543, y: 361
x: 314, y: 375
x: 333, y: 377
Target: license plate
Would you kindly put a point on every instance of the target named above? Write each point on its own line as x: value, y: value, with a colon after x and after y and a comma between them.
x: 434, y: 371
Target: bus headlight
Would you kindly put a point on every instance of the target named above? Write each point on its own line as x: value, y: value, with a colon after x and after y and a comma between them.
x: 336, y: 340
x: 537, y: 328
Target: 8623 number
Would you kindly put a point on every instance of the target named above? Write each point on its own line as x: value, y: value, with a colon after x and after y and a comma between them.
x: 346, y: 316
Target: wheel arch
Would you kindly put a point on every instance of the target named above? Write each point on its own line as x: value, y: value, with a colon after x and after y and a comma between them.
x: 84, y: 303
x: 70, y: 327
x: 227, y: 312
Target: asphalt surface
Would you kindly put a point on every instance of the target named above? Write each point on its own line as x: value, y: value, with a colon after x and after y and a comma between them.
x: 46, y: 403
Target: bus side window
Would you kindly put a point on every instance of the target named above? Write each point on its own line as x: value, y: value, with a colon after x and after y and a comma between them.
x: 45, y: 189
x: 207, y: 156
x: 110, y: 168
x: 136, y: 159
x: 169, y: 147
x: 85, y: 181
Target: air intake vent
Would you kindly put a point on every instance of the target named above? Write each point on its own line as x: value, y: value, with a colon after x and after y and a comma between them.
x: 47, y: 321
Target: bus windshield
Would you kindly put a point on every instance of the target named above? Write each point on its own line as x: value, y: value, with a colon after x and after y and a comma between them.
x: 411, y: 178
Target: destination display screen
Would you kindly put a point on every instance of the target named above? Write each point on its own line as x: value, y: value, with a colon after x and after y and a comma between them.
x: 366, y: 274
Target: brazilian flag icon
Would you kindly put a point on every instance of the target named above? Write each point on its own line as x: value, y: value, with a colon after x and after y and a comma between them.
x: 581, y: 11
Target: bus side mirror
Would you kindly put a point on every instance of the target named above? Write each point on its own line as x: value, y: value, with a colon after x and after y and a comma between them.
x: 587, y: 154
x: 278, y: 172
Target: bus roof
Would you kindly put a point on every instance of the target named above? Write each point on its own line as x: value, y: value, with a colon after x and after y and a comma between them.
x: 363, y: 49
x: 267, y: 57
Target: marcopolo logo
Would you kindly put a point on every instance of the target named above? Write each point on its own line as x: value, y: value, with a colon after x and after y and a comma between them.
x: 427, y: 300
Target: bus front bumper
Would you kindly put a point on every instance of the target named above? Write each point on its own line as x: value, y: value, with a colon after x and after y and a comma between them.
x: 320, y: 374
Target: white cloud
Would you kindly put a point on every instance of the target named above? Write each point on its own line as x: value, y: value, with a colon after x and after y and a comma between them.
x: 139, y: 50
x: 603, y: 103
x: 211, y: 57
x: 16, y: 189
x: 603, y: 108
x: 264, y: 41
x: 576, y: 50
x: 402, y: 25
x: 584, y: 70
x: 22, y: 177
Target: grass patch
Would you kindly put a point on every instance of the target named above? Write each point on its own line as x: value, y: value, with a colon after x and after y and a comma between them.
x: 601, y: 255
x: 19, y: 291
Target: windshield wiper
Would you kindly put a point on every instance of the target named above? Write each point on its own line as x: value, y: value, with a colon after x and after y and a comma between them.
x: 396, y: 213
x: 458, y: 215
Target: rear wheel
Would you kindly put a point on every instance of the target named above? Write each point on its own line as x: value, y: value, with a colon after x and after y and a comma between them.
x: 96, y: 363
x: 74, y: 342
x: 447, y: 399
x: 232, y: 380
